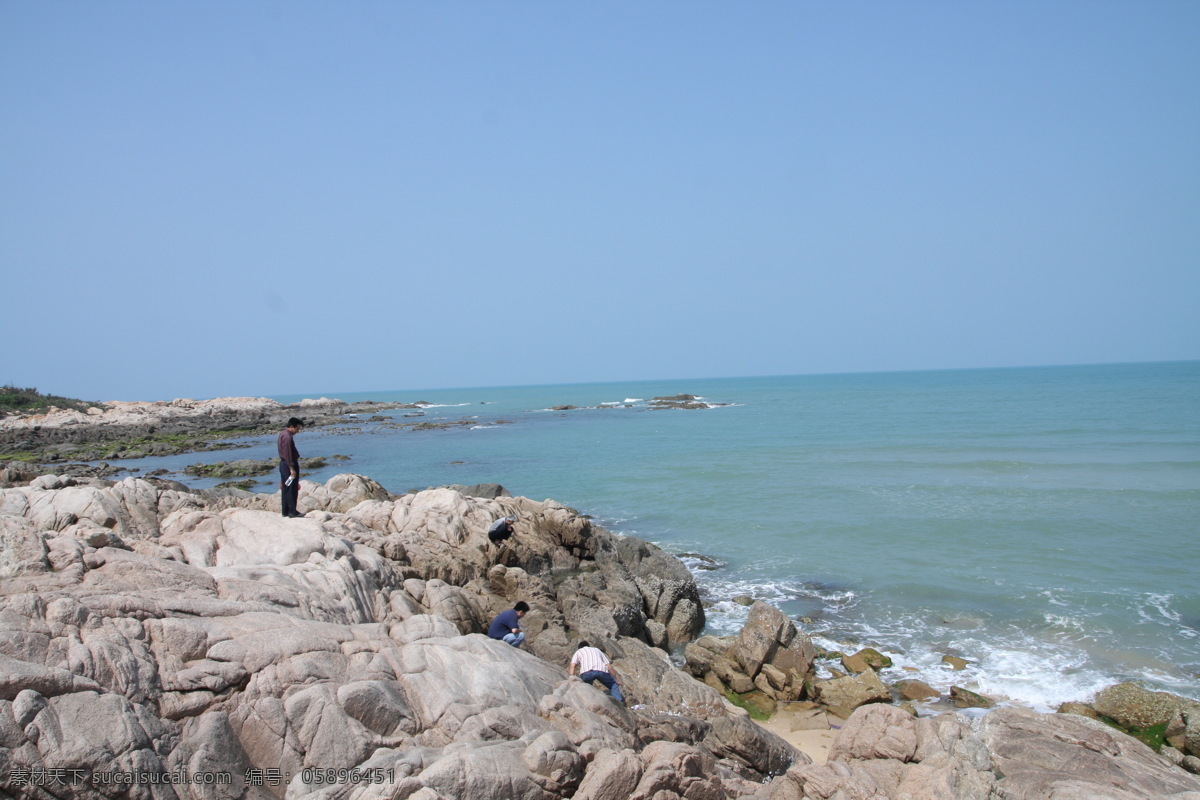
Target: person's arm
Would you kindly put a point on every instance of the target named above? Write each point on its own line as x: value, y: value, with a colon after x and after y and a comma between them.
x: 287, y: 451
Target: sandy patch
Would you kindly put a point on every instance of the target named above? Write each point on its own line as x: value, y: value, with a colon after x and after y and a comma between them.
x: 813, y: 743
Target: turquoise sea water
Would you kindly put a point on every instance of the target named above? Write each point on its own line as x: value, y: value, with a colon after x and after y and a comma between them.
x: 1042, y: 523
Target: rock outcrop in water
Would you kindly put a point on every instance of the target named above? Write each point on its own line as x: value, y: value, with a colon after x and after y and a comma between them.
x: 136, y: 429
x: 158, y: 642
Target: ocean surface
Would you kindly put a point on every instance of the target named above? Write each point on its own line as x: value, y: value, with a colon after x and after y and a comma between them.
x: 1042, y: 523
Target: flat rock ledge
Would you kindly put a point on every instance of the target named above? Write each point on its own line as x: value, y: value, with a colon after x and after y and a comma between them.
x: 69, y: 433
x: 160, y: 642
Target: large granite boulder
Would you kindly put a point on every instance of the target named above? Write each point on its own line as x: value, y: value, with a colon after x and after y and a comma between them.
x: 157, y: 631
x: 851, y: 691
x: 23, y: 549
x: 768, y: 654
x: 885, y: 752
x: 341, y: 493
x: 1075, y: 758
x: 1135, y: 707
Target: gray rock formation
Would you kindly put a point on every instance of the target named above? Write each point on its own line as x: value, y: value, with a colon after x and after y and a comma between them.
x: 67, y: 433
x: 1132, y: 706
x: 148, y: 631
x: 768, y: 654
x: 151, y: 634
x: 1009, y: 754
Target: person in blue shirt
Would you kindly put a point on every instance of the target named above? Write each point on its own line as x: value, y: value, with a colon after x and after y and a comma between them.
x: 507, y: 625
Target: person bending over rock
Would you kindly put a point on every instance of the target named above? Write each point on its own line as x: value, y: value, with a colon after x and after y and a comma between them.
x: 595, y: 666
x: 507, y: 625
x: 501, y: 529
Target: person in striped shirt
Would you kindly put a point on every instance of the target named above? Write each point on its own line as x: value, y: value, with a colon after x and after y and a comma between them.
x: 594, y: 666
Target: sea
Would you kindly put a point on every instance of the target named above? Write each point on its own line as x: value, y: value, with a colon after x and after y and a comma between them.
x: 1041, y: 523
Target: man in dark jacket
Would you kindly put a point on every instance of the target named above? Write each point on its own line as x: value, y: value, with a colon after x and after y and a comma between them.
x: 501, y: 529
x: 289, y: 468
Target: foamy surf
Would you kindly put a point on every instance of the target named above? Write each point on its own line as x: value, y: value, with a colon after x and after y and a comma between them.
x: 1014, y: 667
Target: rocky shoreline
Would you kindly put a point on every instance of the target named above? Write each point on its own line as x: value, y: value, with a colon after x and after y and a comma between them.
x: 129, y: 430
x: 148, y: 629
x: 62, y: 440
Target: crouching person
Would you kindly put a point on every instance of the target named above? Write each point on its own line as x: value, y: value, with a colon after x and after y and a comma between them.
x: 507, y: 625
x: 594, y: 666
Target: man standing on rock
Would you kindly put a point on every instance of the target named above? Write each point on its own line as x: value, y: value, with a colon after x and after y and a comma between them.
x: 595, y: 666
x: 507, y: 624
x: 289, y: 468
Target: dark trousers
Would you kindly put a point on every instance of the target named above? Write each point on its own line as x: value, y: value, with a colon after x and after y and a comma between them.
x: 288, y: 494
x: 607, y: 680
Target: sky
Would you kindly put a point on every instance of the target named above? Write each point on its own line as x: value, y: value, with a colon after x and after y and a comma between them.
x: 278, y: 198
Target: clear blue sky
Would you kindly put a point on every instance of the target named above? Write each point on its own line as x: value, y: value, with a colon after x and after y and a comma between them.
x: 265, y: 198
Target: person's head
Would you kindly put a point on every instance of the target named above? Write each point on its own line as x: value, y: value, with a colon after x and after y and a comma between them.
x: 295, y: 424
x: 582, y: 645
x: 511, y: 519
x: 522, y: 608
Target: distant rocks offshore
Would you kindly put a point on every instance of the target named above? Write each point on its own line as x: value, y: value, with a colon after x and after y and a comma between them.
x: 678, y: 401
x: 684, y: 401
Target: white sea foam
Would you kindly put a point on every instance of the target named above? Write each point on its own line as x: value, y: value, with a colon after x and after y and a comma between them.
x: 1015, y: 666
x: 1041, y: 680
x: 634, y: 400
x: 699, y: 563
x: 1065, y: 622
x: 1052, y: 597
x: 1161, y: 603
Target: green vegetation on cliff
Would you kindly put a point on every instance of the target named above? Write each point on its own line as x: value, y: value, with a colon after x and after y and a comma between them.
x: 30, y: 401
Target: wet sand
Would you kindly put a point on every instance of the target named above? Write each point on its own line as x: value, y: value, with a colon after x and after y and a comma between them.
x: 813, y: 743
